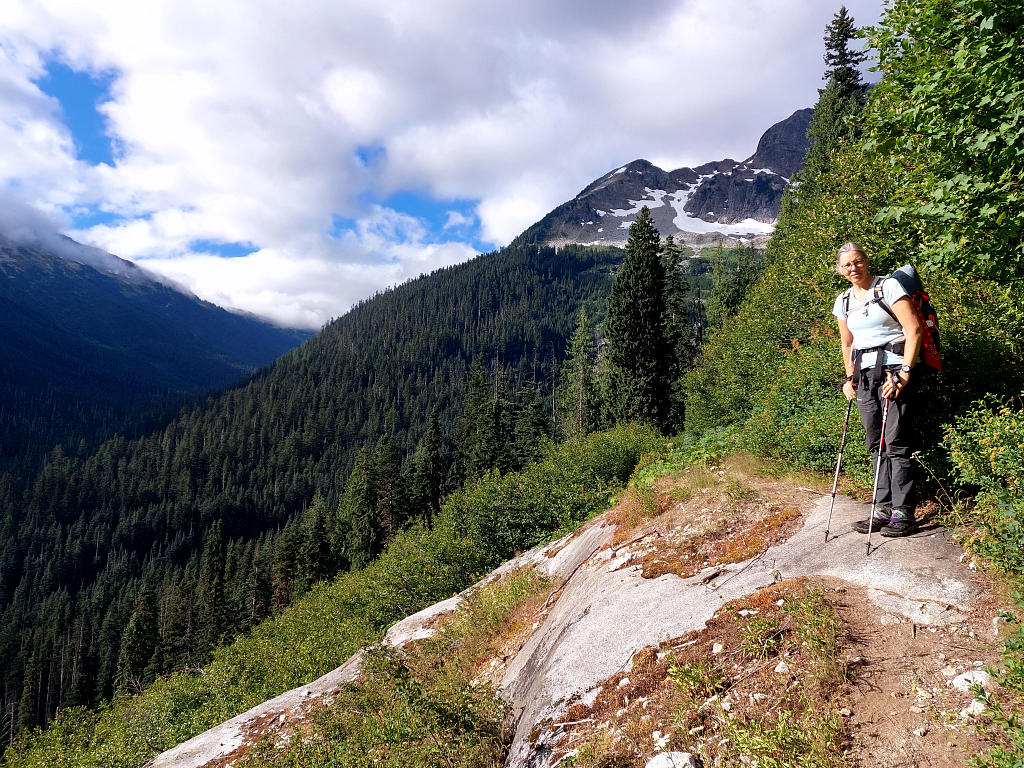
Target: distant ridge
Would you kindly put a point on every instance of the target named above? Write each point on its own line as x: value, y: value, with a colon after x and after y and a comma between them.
x: 97, y: 344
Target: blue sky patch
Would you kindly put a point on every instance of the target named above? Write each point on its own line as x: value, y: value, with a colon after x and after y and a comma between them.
x: 224, y: 250
x: 79, y: 93
x: 370, y: 154
x: 452, y: 220
x: 84, y: 218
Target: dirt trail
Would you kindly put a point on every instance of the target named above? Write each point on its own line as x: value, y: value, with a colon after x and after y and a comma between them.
x: 917, y: 614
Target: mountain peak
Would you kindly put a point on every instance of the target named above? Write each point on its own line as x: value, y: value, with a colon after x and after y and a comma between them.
x: 719, y: 200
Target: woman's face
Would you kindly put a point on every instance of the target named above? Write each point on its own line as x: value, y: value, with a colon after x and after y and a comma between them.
x: 854, y: 266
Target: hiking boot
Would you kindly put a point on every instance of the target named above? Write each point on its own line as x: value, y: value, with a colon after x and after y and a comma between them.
x: 900, y: 524
x: 881, y: 521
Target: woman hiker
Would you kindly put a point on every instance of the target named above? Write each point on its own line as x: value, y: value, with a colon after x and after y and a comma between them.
x: 880, y: 349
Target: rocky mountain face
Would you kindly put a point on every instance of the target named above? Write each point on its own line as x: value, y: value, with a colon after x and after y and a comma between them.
x: 724, y: 200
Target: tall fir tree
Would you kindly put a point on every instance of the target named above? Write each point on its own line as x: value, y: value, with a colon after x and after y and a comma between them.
x: 316, y: 559
x: 471, y: 451
x: 842, y: 62
x: 359, y: 529
x: 839, y: 102
x: 391, y: 493
x: 210, y: 591
x: 579, y: 396
x: 485, y: 422
x: 138, y: 644
x: 28, y: 706
x: 680, y: 333
x: 637, y: 351
x: 285, y: 569
x: 531, y: 425
x: 428, y: 471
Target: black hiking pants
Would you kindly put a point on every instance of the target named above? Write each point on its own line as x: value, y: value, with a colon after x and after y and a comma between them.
x: 896, y: 473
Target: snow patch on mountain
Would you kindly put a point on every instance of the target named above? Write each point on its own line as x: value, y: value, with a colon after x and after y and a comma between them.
x: 656, y: 200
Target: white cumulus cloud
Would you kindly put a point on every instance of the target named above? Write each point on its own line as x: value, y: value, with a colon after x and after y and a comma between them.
x: 249, y: 122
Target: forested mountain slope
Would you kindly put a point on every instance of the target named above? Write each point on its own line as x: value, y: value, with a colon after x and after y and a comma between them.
x: 100, y: 539
x: 86, y: 352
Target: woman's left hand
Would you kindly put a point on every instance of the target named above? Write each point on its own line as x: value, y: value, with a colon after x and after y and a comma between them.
x: 894, y: 384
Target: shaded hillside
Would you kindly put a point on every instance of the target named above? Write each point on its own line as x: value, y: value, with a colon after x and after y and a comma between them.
x: 77, y: 549
x: 86, y: 352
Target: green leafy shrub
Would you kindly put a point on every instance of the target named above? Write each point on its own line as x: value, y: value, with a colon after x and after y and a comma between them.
x: 419, y: 707
x: 510, y: 513
x: 799, y: 419
x: 986, y: 453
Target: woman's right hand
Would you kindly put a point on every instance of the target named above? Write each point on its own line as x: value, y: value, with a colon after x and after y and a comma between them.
x: 849, y: 390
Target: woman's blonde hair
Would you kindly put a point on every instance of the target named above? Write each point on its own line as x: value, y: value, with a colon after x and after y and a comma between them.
x: 847, y: 247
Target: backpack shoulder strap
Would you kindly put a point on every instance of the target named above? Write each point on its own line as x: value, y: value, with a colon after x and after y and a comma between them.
x: 879, y: 296
x: 846, y: 301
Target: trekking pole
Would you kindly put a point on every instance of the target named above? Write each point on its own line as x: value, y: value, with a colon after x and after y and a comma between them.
x: 878, y: 467
x: 839, y: 462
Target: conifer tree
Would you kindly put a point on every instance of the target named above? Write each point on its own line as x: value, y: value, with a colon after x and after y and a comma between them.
x: 485, y: 427
x: 579, y: 394
x: 473, y: 423
x: 28, y: 707
x: 679, y: 327
x: 109, y: 647
x: 637, y: 351
x: 531, y: 426
x: 359, y: 528
x: 841, y: 61
x: 839, y: 102
x: 138, y: 644
x: 285, y: 570
x: 428, y: 471
x: 391, y: 495
x: 316, y: 547
x: 210, y: 591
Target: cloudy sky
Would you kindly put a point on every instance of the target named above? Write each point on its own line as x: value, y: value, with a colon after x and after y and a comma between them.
x: 291, y: 158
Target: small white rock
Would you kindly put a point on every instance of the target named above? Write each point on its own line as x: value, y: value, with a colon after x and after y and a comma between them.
x: 748, y: 612
x: 916, y: 710
x: 920, y: 731
x: 780, y: 602
x: 965, y: 680
x: 782, y: 668
x: 660, y: 739
x: 845, y: 712
x: 759, y: 697
x: 673, y: 760
x: 623, y: 682
x: 717, y: 648
x: 975, y: 708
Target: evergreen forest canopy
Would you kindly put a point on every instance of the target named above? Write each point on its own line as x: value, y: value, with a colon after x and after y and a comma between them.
x: 924, y: 168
